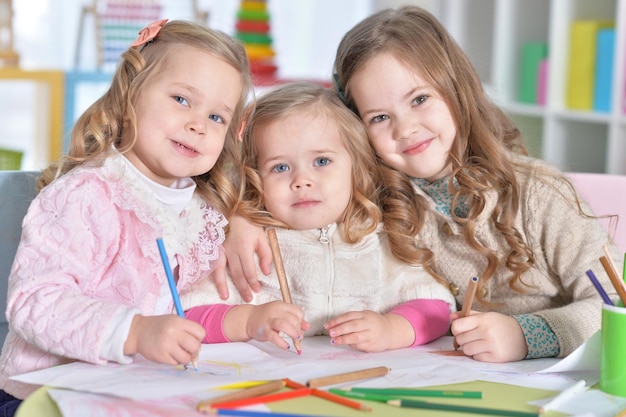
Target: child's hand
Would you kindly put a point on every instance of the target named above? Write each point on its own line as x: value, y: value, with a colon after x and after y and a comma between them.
x: 489, y: 337
x: 267, y: 321
x: 369, y: 331
x: 243, y: 241
x: 165, y: 339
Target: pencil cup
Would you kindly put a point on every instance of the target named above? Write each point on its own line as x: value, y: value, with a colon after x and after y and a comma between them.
x: 612, y: 356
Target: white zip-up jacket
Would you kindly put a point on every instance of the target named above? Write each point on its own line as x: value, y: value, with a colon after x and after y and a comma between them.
x: 328, y: 277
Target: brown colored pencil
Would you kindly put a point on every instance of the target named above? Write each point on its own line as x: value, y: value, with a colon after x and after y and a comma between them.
x: 614, y: 277
x: 468, y: 301
x: 329, y: 396
x: 255, y: 391
x: 347, y: 377
x: 282, y: 277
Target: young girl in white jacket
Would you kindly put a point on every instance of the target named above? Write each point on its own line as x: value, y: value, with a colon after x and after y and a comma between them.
x: 311, y: 175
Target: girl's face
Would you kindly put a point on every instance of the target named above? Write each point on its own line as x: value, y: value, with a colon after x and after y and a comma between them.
x: 305, y: 169
x: 409, y: 123
x: 183, y: 115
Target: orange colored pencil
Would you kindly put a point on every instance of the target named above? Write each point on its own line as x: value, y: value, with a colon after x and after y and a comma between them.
x: 251, y: 392
x: 285, y: 395
x: 282, y: 277
x: 614, y: 277
x: 468, y: 301
x: 338, y: 399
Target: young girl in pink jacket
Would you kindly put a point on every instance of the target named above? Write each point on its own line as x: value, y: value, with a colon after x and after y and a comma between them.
x: 152, y: 158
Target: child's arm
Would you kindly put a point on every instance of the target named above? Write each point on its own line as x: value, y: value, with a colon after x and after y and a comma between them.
x: 240, y: 323
x: 412, y: 323
x: 243, y: 241
x: 165, y: 339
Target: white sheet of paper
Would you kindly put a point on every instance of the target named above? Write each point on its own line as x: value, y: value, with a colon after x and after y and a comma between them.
x: 221, y: 364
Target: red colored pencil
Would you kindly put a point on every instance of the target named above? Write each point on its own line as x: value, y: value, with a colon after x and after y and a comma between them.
x: 329, y: 396
x: 286, y: 395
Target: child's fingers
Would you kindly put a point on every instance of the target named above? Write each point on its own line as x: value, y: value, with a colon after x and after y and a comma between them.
x: 341, y: 319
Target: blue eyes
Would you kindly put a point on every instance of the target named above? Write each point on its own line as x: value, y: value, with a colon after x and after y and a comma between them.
x: 417, y: 101
x: 213, y: 117
x: 181, y: 100
x: 216, y: 118
x: 281, y: 168
x: 322, y: 161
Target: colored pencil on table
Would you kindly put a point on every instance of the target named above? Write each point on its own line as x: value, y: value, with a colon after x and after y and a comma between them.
x: 410, y: 392
x: 285, y: 395
x: 381, y: 398
x: 250, y: 413
x: 348, y: 376
x: 255, y: 391
x: 596, y: 283
x: 460, y: 408
x: 468, y: 301
x: 282, y: 277
x: 329, y: 396
x: 618, y: 284
x: 172, y: 284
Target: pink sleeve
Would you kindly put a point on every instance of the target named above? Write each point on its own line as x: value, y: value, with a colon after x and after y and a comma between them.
x: 211, y: 317
x: 430, y: 318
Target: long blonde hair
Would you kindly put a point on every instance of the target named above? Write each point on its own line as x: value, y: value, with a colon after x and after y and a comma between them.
x: 112, y: 116
x: 481, y: 152
x: 362, y: 214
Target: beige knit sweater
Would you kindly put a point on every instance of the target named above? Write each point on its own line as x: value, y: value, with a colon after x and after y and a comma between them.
x: 565, y: 245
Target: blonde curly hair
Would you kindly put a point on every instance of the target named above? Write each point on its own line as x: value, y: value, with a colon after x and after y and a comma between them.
x: 112, y: 116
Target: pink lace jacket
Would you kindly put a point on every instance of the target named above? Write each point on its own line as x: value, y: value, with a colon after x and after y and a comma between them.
x: 88, y: 258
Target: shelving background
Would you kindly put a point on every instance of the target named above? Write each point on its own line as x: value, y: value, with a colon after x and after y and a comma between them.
x: 492, y: 33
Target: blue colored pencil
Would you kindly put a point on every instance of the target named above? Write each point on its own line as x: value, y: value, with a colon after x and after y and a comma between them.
x: 596, y: 284
x: 172, y: 284
x: 170, y: 278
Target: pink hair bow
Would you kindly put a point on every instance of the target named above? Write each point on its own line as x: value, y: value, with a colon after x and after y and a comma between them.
x: 148, y: 33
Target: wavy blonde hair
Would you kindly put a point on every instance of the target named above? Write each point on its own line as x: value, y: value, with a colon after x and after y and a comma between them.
x: 362, y: 214
x: 112, y: 116
x: 480, y: 155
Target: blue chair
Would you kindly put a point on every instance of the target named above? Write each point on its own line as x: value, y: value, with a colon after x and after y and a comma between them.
x: 17, y: 190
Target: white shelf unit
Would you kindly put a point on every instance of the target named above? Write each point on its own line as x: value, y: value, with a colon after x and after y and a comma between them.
x: 492, y: 33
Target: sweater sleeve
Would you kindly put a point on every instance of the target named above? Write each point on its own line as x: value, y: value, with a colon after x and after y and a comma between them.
x: 430, y: 318
x: 69, y: 240
x: 211, y: 317
x: 570, y: 244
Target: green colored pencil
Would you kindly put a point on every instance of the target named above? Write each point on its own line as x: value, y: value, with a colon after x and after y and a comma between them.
x: 410, y: 392
x: 460, y: 408
x: 363, y: 395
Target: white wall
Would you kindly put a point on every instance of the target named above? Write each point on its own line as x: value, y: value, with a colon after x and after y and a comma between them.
x: 305, y: 33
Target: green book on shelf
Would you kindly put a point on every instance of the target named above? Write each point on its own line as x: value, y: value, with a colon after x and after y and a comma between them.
x: 581, y: 64
x: 532, y: 55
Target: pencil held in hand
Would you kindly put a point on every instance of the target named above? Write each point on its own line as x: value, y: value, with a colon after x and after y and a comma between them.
x: 172, y: 284
x: 282, y: 277
x: 468, y: 301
